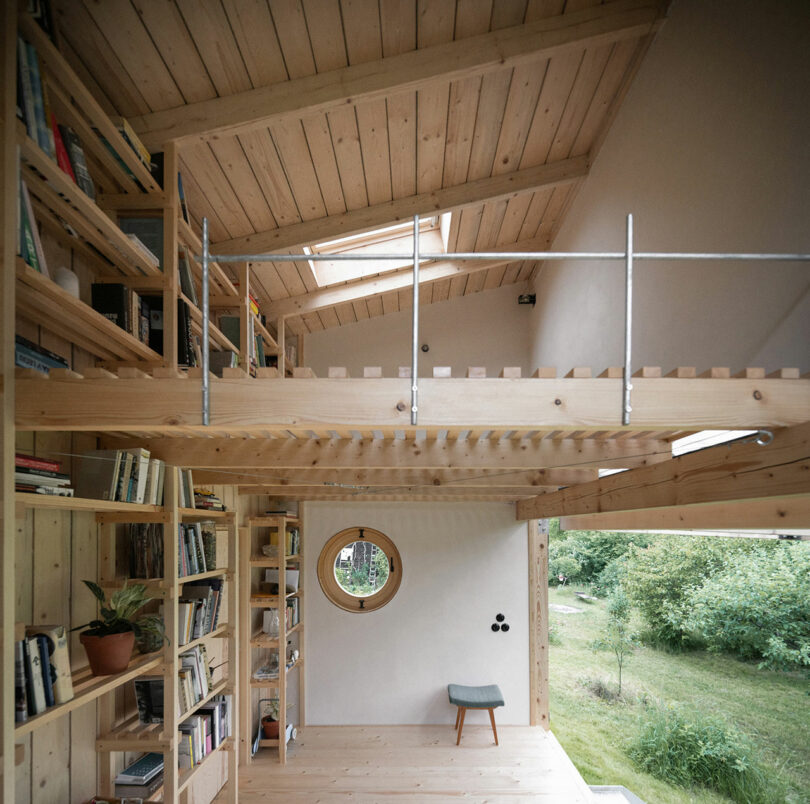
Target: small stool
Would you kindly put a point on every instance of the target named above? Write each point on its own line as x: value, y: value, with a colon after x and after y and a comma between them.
x: 465, y: 698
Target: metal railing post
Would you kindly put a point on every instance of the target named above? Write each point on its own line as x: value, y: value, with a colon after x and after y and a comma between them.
x: 415, y: 338
x: 206, y: 389
x: 628, y: 322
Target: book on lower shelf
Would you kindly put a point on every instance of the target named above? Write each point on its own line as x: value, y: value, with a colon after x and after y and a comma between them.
x: 123, y: 306
x: 198, y: 609
x: 121, y: 476
x: 142, y: 770
x: 42, y: 676
x: 32, y: 475
x: 28, y: 354
x: 204, y: 731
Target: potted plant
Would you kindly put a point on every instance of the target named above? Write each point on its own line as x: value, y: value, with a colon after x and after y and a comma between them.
x: 270, y: 719
x: 108, y: 642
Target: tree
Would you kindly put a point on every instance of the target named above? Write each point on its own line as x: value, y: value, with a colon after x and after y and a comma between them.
x: 618, y: 636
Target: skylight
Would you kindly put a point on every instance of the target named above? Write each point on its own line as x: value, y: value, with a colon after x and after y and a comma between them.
x: 395, y: 239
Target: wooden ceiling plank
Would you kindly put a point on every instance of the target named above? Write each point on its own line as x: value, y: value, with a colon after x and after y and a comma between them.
x: 329, y: 318
x: 372, y: 121
x: 312, y: 321
x: 458, y: 284
x: 386, y: 283
x: 198, y: 202
x: 345, y: 314
x: 431, y: 115
x: 736, y: 471
x: 292, y: 281
x: 536, y: 212
x: 491, y: 221
x: 398, y: 455
x: 441, y: 290
x: 491, y: 107
x: 360, y: 309
x: 125, y: 31
x: 472, y: 18
x: 319, y: 140
x: 361, y: 21
x: 374, y: 306
x: 461, y: 117
x: 401, y: 109
x: 363, y: 219
x: 494, y: 277
x: 781, y: 514
x: 78, y: 66
x: 506, y: 13
x: 293, y: 37
x: 252, y: 25
x: 267, y: 274
x: 295, y: 157
x: 390, y: 302
x: 553, y: 215
x: 370, y: 80
x: 261, y: 152
x: 397, y: 26
x: 346, y: 142
x: 326, y: 33
x: 475, y: 282
x: 177, y: 48
x: 468, y: 225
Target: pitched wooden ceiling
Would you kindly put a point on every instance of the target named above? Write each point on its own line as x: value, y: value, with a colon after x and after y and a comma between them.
x: 302, y: 121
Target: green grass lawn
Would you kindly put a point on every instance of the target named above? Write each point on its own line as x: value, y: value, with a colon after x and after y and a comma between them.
x: 772, y: 707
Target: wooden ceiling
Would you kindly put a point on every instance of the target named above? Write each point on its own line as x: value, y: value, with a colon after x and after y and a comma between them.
x: 306, y: 119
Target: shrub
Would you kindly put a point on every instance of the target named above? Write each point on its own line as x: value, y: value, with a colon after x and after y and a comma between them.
x: 659, y: 578
x: 758, y: 606
x: 689, y: 749
x: 618, y: 636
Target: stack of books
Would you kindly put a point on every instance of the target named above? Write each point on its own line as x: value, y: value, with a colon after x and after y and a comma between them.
x: 30, y: 355
x: 140, y: 779
x: 40, y: 476
x: 206, y: 499
x: 41, y: 670
x: 124, y: 307
x: 201, y: 733
x: 121, y: 475
x: 197, y: 548
x: 198, y: 609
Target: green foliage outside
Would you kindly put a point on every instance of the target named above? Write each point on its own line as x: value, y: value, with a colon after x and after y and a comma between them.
x: 757, y: 606
x: 771, y: 707
x: 687, y: 748
x: 357, y: 581
x: 619, y: 637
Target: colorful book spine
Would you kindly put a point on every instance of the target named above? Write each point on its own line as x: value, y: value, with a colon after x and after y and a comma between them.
x: 39, y: 103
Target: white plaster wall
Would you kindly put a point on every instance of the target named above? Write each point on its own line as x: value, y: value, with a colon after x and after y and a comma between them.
x: 710, y: 153
x: 462, y: 564
x: 484, y: 329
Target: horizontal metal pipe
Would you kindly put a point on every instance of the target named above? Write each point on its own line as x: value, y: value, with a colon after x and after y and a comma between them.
x: 509, y: 255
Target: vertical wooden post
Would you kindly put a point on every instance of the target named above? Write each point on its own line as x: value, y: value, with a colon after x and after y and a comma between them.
x: 8, y: 240
x: 106, y: 703
x: 170, y: 650
x: 244, y: 316
x: 171, y: 279
x: 234, y: 664
x: 302, y: 686
x: 282, y: 358
x: 538, y: 622
x: 245, y: 635
x: 282, y: 640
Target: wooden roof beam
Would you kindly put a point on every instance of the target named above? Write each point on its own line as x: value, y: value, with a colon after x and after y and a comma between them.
x: 543, y: 39
x: 492, y: 188
x: 783, y: 514
x: 353, y: 457
x: 396, y: 280
x: 726, y: 472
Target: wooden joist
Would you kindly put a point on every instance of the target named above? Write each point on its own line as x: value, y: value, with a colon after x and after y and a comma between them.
x: 742, y: 470
x: 241, y: 112
x: 252, y: 405
x: 785, y: 513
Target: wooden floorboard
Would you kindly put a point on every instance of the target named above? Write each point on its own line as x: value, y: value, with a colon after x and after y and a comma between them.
x: 416, y: 763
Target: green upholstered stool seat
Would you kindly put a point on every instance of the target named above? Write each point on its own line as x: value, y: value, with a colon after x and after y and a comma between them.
x: 486, y: 697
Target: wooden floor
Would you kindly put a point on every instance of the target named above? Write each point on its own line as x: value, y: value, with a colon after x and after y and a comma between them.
x: 416, y: 763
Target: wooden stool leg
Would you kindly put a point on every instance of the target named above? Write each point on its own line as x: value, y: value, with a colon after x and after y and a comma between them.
x: 492, y: 721
x: 461, y: 723
x: 458, y: 715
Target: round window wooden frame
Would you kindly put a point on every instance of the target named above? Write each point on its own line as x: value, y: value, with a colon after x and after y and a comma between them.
x: 336, y: 593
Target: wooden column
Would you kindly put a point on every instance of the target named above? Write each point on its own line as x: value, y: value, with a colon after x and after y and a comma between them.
x: 234, y: 661
x: 170, y: 617
x: 171, y: 280
x: 245, y: 630
x: 538, y: 622
x: 282, y: 359
x: 243, y: 272
x: 8, y: 227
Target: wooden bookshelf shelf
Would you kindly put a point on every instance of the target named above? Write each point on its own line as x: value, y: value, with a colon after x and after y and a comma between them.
x: 55, y: 189
x: 272, y: 520
x: 266, y: 561
x: 220, y: 632
x: 132, y: 735
x: 200, y: 576
x: 48, y: 305
x: 262, y: 640
x: 273, y: 682
x: 215, y: 334
x: 271, y: 346
x: 187, y: 776
x: 130, y: 510
x: 87, y: 687
x: 272, y: 601
x: 202, y: 515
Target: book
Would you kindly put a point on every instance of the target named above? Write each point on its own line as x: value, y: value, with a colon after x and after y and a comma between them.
x: 33, y: 674
x: 209, y: 540
x: 132, y: 139
x: 148, y: 230
x: 142, y: 770
x: 45, y: 666
x: 148, y: 254
x: 139, y: 792
x: 36, y: 241
x: 186, y: 278
x: 30, y: 355
x: 149, y: 700
x: 20, y: 691
x: 78, y: 161
x: 37, y: 477
x: 29, y: 113
x: 32, y: 462
x: 62, y: 158
x: 140, y: 471
x: 113, y: 301
x: 181, y: 193
x: 42, y: 126
x: 53, y: 639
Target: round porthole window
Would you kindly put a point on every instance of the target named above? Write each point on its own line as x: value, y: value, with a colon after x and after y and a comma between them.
x: 359, y: 569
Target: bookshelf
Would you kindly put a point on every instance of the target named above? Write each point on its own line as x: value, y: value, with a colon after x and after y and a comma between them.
x: 116, y: 734
x: 258, y: 646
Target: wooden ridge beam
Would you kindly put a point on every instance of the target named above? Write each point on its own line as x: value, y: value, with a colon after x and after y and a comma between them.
x: 737, y: 471
x: 251, y: 406
x: 323, y: 92
x: 491, y: 188
x: 393, y: 497
x: 540, y: 479
x: 447, y: 492
x: 397, y: 280
x: 349, y: 455
x: 783, y: 514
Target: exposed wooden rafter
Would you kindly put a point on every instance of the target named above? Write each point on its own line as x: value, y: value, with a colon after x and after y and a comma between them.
x: 737, y: 471
x: 245, y: 111
x: 435, y: 202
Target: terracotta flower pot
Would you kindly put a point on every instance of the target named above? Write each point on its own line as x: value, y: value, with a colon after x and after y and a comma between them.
x: 270, y: 728
x: 108, y: 654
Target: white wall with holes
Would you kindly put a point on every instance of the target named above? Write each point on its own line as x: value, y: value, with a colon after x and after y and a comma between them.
x: 463, y: 563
